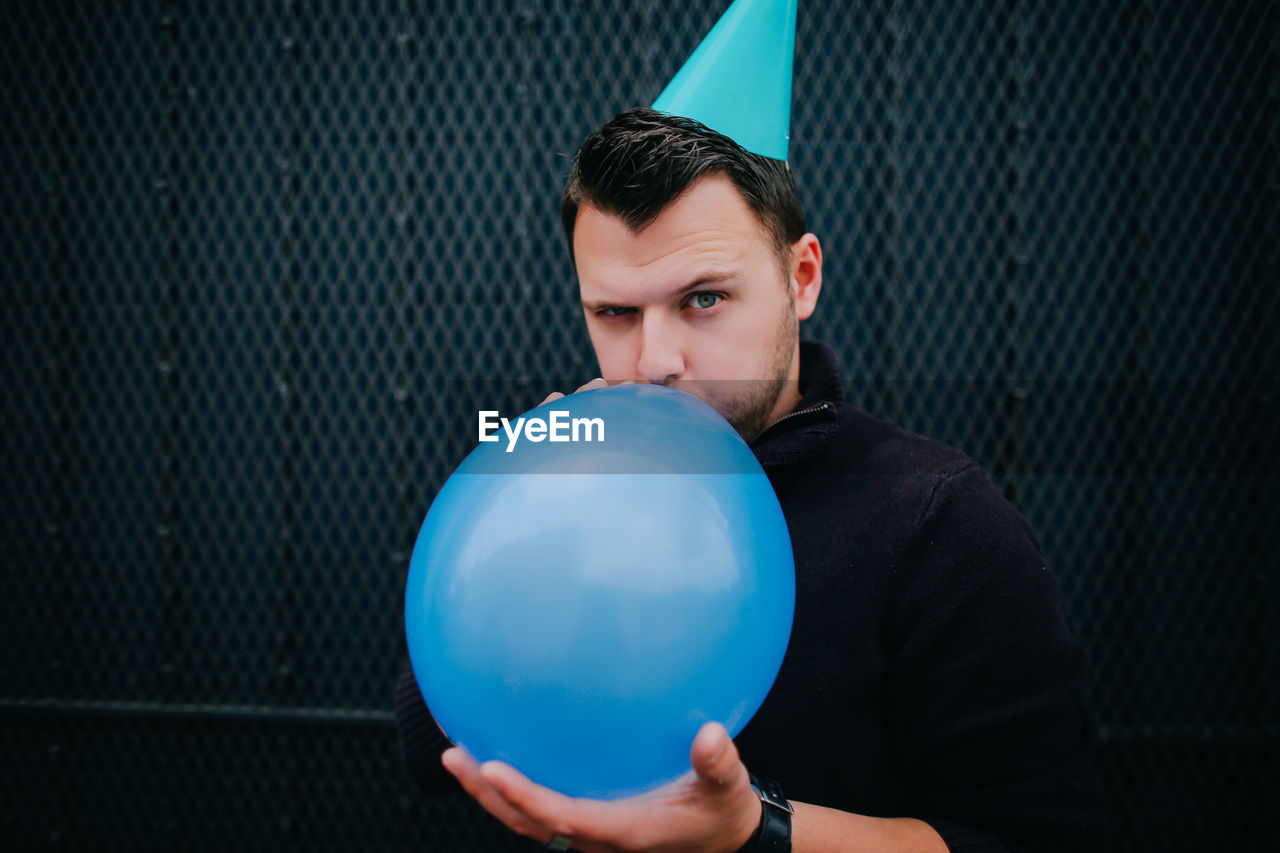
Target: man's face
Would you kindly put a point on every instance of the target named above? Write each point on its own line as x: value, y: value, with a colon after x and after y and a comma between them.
x: 697, y: 300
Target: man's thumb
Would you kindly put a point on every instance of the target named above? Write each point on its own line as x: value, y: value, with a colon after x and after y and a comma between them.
x: 714, y: 756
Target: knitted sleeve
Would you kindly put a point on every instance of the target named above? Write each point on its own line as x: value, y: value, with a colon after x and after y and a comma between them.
x: 421, y: 741
x: 985, y: 704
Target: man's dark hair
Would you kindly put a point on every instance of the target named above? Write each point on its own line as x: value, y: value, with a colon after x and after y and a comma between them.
x: 640, y: 161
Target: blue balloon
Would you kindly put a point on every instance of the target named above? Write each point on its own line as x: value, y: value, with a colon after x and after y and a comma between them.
x: 580, y: 608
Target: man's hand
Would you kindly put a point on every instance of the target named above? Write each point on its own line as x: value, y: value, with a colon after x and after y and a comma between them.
x: 598, y: 382
x: 710, y: 809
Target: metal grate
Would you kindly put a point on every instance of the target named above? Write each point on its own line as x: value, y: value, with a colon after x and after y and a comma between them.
x: 261, y: 265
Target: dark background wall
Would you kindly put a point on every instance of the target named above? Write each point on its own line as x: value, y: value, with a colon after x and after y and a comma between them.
x: 262, y: 262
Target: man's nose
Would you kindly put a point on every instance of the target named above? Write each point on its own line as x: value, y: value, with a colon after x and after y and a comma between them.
x: 661, y: 360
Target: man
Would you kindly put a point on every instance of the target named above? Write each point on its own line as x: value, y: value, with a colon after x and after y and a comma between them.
x: 930, y: 695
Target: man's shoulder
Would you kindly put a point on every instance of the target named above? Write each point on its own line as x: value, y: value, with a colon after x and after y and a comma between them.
x: 867, y: 444
x: 915, y: 478
x: 937, y: 489
x: 881, y: 483
x: 857, y: 454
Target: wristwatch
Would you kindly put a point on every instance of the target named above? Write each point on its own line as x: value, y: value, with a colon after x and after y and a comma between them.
x: 773, y: 835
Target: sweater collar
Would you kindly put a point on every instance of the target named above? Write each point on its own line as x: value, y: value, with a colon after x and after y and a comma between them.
x: 803, y: 432
x: 819, y: 375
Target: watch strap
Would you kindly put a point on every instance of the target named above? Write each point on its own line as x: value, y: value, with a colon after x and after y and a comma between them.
x: 773, y: 835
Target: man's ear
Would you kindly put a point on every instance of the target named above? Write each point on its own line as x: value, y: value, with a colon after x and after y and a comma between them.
x: 806, y: 274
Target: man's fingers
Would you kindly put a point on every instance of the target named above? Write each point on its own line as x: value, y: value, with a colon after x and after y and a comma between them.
x: 714, y: 757
x: 468, y: 773
x: 576, y: 819
x: 598, y: 382
x: 590, y: 386
x: 539, y: 803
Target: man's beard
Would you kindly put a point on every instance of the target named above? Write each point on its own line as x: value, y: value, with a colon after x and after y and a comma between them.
x: 747, y: 404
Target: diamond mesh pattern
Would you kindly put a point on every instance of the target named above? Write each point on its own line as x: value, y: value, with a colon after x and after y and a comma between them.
x: 262, y: 264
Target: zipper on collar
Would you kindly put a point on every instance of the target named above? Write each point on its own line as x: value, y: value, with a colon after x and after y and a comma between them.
x: 821, y: 407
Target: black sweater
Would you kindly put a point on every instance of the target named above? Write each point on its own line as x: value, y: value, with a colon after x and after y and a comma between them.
x: 930, y: 672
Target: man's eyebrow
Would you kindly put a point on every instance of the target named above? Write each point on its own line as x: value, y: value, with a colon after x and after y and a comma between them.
x: 699, y: 282
x: 703, y: 281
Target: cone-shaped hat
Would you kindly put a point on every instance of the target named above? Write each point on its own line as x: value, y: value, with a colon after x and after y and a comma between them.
x: 738, y: 80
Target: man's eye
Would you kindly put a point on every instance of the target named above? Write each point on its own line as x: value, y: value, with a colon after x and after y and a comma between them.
x: 705, y: 300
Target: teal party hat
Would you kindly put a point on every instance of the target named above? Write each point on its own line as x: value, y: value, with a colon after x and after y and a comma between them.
x: 738, y: 80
